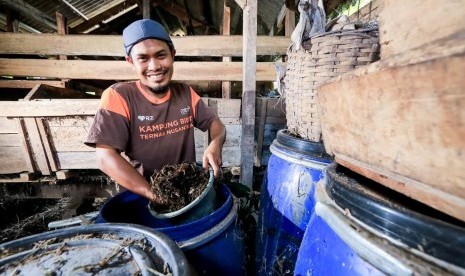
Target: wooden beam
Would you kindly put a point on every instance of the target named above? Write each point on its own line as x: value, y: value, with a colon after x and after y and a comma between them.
x: 262, y: 102
x: 289, y: 24
x: 28, y: 84
x: 120, y: 70
x: 146, y: 9
x: 226, y: 85
x: 35, y: 141
x: 44, y: 108
x: 46, y: 144
x: 30, y: 11
x: 248, y: 91
x: 103, y: 15
x: 401, y: 27
x: 27, y: 153
x: 111, y: 45
x: 12, y: 21
x: 403, y: 122
x: 61, y: 29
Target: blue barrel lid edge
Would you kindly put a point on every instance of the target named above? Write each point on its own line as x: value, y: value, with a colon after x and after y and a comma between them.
x: 434, y: 237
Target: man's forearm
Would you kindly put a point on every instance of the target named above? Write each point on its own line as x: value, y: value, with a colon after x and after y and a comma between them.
x: 217, y: 132
x: 115, y: 166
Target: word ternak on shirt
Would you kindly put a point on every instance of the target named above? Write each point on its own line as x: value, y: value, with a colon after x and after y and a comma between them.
x: 159, y: 130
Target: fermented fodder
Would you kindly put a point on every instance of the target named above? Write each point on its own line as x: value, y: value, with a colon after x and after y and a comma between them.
x: 179, y: 185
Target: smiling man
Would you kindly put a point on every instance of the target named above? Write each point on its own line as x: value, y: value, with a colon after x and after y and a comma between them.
x: 152, y: 119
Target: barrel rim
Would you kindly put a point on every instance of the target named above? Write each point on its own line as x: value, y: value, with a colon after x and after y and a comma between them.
x: 295, y: 144
x: 162, y: 243
x: 430, y: 235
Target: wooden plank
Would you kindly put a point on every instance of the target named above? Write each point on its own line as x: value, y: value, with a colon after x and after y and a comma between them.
x: 68, y: 136
x: 35, y: 141
x: 79, y: 122
x: 230, y: 108
x: 146, y: 9
x: 28, y: 84
x: 120, y: 70
x: 27, y: 176
x: 26, y: 152
x: 27, y: 10
x: 250, y: 69
x: 46, y: 144
x: 12, y: 160
x: 226, y: 86
x: 406, y: 25
x: 65, y: 174
x: 405, y: 121
x: 10, y: 140
x: 8, y: 125
x: 112, y: 45
x: 61, y: 28
x: 70, y: 139
x: 44, y: 108
x: 100, y: 15
x: 448, y: 203
x: 289, y: 24
x: 77, y: 160
x: 261, y: 130
x: 12, y: 21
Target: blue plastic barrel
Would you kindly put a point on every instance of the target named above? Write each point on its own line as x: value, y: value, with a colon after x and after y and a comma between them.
x: 214, y: 244
x: 112, y: 249
x: 360, y: 227
x: 287, y: 201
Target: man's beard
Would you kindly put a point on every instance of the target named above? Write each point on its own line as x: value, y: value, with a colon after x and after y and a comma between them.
x: 160, y: 90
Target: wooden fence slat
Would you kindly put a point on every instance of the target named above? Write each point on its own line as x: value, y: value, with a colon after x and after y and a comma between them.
x: 28, y: 157
x: 120, y: 70
x: 28, y: 84
x: 46, y: 144
x: 37, y: 146
x: 112, y: 45
x: 8, y: 125
x: 44, y: 108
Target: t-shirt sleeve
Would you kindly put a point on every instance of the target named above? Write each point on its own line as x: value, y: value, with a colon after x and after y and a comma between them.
x: 203, y: 114
x: 111, y: 122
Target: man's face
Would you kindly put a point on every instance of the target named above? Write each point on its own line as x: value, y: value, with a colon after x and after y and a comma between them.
x: 153, y: 62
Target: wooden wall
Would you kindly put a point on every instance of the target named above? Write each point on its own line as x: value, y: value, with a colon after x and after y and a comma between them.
x: 59, y: 125
x: 46, y: 134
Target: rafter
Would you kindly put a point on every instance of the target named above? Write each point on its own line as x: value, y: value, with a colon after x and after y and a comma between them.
x: 27, y: 10
x: 104, y: 15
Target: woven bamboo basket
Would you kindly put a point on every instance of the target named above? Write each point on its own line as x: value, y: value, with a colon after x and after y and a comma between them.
x: 322, y: 57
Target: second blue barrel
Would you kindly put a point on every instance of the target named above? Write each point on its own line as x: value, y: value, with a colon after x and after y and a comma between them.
x: 214, y: 244
x: 360, y: 227
x: 287, y: 201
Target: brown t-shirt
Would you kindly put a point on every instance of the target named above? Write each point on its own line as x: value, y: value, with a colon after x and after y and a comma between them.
x: 150, y: 134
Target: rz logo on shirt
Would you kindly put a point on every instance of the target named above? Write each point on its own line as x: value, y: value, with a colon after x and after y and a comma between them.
x: 184, y: 111
x: 145, y: 118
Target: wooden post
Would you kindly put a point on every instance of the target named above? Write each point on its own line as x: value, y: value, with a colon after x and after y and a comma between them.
x: 146, y: 9
x: 248, y: 91
x: 289, y: 23
x: 226, y: 85
x: 12, y: 22
x: 61, y: 29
